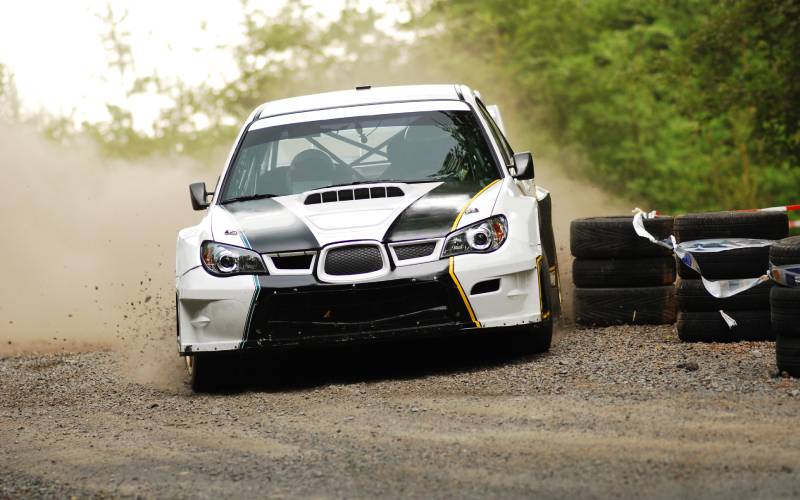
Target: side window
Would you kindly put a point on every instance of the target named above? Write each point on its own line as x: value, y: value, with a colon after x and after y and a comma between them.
x: 248, y: 163
x: 508, y: 153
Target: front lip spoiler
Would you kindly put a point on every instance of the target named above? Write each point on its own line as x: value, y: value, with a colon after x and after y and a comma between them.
x: 384, y: 335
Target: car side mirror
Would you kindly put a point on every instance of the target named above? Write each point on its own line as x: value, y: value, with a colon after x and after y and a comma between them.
x: 199, y: 195
x: 523, y: 166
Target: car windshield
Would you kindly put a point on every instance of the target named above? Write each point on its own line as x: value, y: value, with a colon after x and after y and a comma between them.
x: 409, y: 147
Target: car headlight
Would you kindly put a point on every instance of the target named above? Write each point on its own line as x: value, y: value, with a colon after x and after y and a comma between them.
x: 227, y: 260
x: 482, y: 237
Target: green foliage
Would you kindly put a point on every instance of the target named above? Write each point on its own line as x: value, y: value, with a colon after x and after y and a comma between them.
x: 684, y: 105
x: 677, y: 105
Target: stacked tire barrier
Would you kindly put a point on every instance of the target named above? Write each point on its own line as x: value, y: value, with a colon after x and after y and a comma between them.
x: 701, y: 317
x: 785, y: 309
x: 619, y: 277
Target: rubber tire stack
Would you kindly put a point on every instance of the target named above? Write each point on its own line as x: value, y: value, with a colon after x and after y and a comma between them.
x: 699, y: 319
x: 620, y: 277
x: 785, y: 309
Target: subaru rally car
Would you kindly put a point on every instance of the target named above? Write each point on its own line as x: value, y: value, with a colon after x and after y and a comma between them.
x: 368, y: 214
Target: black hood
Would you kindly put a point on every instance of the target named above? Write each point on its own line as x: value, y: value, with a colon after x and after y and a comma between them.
x: 275, y: 229
x: 433, y: 215
x: 268, y: 226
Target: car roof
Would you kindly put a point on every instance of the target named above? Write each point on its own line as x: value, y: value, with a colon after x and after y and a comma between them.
x: 361, y: 96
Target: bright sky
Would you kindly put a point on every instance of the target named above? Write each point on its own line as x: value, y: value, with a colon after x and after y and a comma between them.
x: 54, y: 48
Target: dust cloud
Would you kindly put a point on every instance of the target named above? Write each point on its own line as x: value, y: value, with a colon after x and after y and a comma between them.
x: 572, y: 198
x: 89, y: 249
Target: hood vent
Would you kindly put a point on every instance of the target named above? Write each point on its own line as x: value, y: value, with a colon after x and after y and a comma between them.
x: 362, y: 193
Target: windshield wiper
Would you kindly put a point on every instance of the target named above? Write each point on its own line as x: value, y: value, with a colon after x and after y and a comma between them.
x: 432, y: 178
x: 249, y: 197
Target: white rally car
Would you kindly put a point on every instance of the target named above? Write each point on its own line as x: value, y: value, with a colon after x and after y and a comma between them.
x: 367, y: 214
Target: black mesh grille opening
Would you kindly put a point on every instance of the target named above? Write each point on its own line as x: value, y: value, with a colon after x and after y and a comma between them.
x: 362, y: 193
x: 293, y: 262
x: 393, y: 191
x: 377, y: 192
x: 345, y: 195
x: 355, y: 259
x: 485, y: 287
x: 329, y: 196
x: 414, y: 251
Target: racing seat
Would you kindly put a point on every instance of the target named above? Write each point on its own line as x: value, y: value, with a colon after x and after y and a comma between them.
x: 273, y: 181
x: 311, y: 169
x: 419, y: 152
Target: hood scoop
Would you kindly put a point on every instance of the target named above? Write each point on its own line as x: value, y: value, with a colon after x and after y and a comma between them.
x: 351, y: 194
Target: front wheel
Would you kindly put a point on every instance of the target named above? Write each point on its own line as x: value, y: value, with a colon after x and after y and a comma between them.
x: 211, y: 371
x: 533, y: 338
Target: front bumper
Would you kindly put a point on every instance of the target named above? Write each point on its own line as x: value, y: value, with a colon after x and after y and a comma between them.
x: 423, y: 300
x: 370, y: 310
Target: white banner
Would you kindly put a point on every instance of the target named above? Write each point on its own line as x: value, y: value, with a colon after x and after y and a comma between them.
x: 719, y: 288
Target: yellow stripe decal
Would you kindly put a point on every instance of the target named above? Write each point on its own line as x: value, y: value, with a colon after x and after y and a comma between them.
x: 461, y: 213
x: 452, y: 273
x: 463, y: 295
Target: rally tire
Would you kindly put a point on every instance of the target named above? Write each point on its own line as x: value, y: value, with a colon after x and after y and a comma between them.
x: 785, y: 251
x: 703, y: 226
x: 614, y: 237
x: 532, y: 339
x: 729, y: 264
x: 607, y: 273
x: 711, y: 327
x: 787, y: 354
x: 212, y: 371
x: 616, y: 306
x: 785, y: 309
x: 692, y: 296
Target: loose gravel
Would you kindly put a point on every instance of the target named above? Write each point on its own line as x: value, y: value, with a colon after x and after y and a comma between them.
x: 621, y: 411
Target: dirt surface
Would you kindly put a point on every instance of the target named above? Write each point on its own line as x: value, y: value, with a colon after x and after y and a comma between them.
x: 626, y: 411
x: 93, y: 401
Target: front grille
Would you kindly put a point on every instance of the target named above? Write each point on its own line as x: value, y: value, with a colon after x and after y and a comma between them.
x: 354, y: 259
x: 292, y: 262
x: 414, y: 251
x: 335, y: 310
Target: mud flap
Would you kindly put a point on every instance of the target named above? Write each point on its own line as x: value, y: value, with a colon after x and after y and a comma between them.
x: 549, y: 248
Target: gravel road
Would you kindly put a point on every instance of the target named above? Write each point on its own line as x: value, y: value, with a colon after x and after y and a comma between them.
x: 614, y: 412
